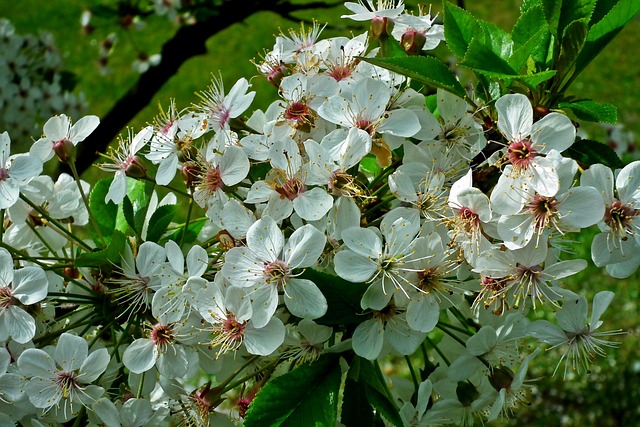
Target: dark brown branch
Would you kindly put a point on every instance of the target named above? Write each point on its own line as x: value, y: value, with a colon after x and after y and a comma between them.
x: 189, y: 41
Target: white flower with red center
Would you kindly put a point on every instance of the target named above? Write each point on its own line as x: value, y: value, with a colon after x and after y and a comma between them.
x: 340, y: 56
x: 576, y: 331
x: 304, y: 95
x: 15, y: 172
x: 60, y: 137
x: 364, y: 106
x: 523, y: 274
x: 227, y: 316
x: 162, y: 348
x: 285, y: 187
x: 19, y: 288
x: 63, y: 380
x: 126, y: 163
x: 618, y: 244
x: 268, y: 264
x: 219, y: 108
x: 217, y: 173
x: 472, y: 210
x: 528, y: 143
x: 571, y: 209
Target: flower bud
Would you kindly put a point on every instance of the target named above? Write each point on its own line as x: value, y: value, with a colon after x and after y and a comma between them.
x: 135, y: 168
x: 65, y: 150
x: 381, y: 28
x: 466, y: 393
x: 190, y: 174
x: 501, y: 377
x: 413, y: 41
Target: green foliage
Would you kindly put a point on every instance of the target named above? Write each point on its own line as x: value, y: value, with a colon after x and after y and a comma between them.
x: 306, y: 396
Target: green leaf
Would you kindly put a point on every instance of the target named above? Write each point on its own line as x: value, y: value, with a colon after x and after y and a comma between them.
x: 529, y: 23
x: 572, y: 42
x: 496, y: 39
x: 127, y: 211
x: 425, y: 69
x: 306, y: 396
x: 592, y: 111
x: 601, y: 34
x: 561, y: 13
x: 482, y: 59
x: 590, y: 152
x: 369, y: 376
x: 343, y: 298
x: 460, y: 27
x: 108, y: 256
x: 193, y: 229
x: 370, y: 165
x: 535, y: 49
x: 159, y: 222
x: 104, y: 213
x: 356, y: 410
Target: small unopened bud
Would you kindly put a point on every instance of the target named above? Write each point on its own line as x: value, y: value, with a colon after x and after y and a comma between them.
x: 381, y: 28
x: 65, y: 150
x: 413, y: 41
x: 135, y: 168
x: 539, y: 111
x: 466, y: 393
x: 226, y: 240
x: 501, y: 377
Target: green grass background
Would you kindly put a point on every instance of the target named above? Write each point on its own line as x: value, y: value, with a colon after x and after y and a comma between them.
x: 610, y: 394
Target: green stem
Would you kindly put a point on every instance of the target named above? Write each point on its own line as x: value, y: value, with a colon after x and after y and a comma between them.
x: 455, y: 328
x: 226, y: 386
x: 55, y: 222
x: 139, y: 392
x: 85, y: 320
x: 437, y: 349
x: 451, y: 334
x: 186, y: 223
x: 416, y: 384
x: 168, y: 187
x: 39, y: 236
x: 72, y: 165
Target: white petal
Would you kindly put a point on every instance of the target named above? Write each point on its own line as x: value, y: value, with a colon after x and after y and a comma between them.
x: 140, y: 356
x: 83, y: 128
x: 515, y: 116
x: 265, y: 340
x: 304, y: 299
x: 368, y: 339
x: 265, y: 239
x: 71, y: 351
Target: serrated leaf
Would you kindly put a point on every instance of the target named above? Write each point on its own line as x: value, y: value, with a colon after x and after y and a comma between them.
x: 343, y: 298
x: 306, y: 396
x: 572, y: 42
x: 127, y: 211
x: 459, y: 28
x: 529, y: 23
x: 496, y: 39
x: 561, y: 13
x: 104, y: 213
x: 535, y: 49
x: 591, y: 152
x: 159, y: 222
x: 601, y: 34
x: 425, y: 69
x: 592, y: 111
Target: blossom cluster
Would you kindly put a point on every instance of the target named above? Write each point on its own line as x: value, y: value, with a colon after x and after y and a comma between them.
x: 347, y: 184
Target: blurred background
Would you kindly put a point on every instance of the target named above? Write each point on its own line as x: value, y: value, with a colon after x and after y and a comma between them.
x: 106, y: 58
